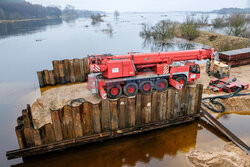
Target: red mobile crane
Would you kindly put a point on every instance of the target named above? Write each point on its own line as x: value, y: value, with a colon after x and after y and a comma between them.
x: 113, y: 74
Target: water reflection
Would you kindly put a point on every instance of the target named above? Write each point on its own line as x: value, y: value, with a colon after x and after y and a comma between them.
x: 26, y: 27
x: 126, y: 150
x: 175, y: 44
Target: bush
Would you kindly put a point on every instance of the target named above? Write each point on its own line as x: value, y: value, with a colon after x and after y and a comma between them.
x: 96, y: 18
x: 219, y: 22
x: 146, y: 31
x: 237, y: 24
x: 162, y: 31
x: 203, y: 20
x: 189, y: 29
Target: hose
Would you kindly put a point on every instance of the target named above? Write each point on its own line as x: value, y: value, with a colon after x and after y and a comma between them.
x: 213, y: 101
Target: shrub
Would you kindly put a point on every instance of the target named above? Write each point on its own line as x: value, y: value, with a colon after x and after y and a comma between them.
x: 219, y: 22
x: 189, y: 29
x: 161, y: 32
x: 203, y: 20
x: 237, y: 24
x: 96, y: 18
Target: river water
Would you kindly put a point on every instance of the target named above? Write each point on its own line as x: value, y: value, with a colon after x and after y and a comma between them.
x: 27, y: 47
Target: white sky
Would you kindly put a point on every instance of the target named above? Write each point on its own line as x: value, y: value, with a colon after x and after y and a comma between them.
x: 147, y: 5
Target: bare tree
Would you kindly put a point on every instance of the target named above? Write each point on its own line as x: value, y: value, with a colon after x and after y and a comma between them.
x: 116, y: 14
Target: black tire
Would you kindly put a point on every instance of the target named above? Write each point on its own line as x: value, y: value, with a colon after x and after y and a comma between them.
x: 161, y: 84
x: 128, y: 91
x: 112, y: 94
x: 182, y: 79
x: 143, y: 87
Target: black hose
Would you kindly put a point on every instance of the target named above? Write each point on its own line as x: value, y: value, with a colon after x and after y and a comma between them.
x: 221, y: 106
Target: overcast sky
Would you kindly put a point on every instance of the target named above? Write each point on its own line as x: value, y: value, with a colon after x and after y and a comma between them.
x: 147, y: 5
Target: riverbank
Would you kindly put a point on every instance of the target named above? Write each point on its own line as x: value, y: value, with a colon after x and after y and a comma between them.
x: 24, y: 20
x: 220, y: 42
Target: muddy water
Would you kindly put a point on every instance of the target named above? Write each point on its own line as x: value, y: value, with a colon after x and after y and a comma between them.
x: 29, y: 47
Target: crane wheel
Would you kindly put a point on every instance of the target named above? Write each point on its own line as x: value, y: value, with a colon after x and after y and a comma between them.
x: 130, y: 89
x: 145, y: 87
x: 114, y: 91
x: 182, y: 80
x: 161, y: 85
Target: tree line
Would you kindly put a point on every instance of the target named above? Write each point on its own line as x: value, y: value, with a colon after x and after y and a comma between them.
x: 19, y: 9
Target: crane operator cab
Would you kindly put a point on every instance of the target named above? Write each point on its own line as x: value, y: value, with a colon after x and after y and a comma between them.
x: 194, y: 69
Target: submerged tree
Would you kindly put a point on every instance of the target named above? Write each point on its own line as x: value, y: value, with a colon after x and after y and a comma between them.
x: 162, y: 31
x: 116, y: 14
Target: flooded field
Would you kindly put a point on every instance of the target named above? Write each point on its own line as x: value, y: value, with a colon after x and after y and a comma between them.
x: 27, y: 47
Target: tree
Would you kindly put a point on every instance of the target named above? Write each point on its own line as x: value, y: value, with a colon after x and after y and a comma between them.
x: 116, y: 14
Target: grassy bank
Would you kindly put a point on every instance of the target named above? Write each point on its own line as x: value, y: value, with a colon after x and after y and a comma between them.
x: 221, y: 42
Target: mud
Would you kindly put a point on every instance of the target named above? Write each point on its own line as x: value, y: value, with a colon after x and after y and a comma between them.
x: 230, y: 156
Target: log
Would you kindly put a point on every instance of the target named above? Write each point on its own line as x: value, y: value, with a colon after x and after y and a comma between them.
x: 82, y: 70
x: 171, y: 103
x: 113, y: 114
x: 29, y: 136
x: 67, y: 70
x: 191, y: 100
x: 19, y: 121
x: 26, y: 119
x: 77, y: 121
x: 154, y: 109
x: 67, y: 123
x: 146, y: 108
x: 61, y: 72
x: 86, y: 66
x: 56, y: 71
x: 46, y: 77
x: 72, y: 73
x: 52, y: 77
x: 40, y: 79
x: 20, y: 136
x: 96, y: 118
x: 138, y: 114
x: 162, y: 105
x: 87, y: 119
x: 130, y: 112
x: 77, y: 70
x: 200, y: 90
x: 177, y: 103
x: 122, y: 103
x: 56, y: 123
x: 105, y: 116
x: 47, y: 134
x: 37, y: 137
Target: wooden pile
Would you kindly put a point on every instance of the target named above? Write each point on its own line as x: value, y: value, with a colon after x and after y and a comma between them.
x: 236, y: 57
x: 64, y: 71
x: 89, y: 122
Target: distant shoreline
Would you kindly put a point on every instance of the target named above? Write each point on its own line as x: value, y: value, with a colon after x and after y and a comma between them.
x: 23, y: 20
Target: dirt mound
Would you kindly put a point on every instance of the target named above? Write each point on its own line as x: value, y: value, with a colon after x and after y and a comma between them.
x: 56, y: 98
x: 230, y: 156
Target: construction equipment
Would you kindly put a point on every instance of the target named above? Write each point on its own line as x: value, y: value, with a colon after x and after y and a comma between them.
x: 217, y: 69
x: 113, y: 74
x: 227, y: 85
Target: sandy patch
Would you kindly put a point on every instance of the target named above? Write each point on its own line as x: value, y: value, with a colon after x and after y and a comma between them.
x: 230, y: 156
